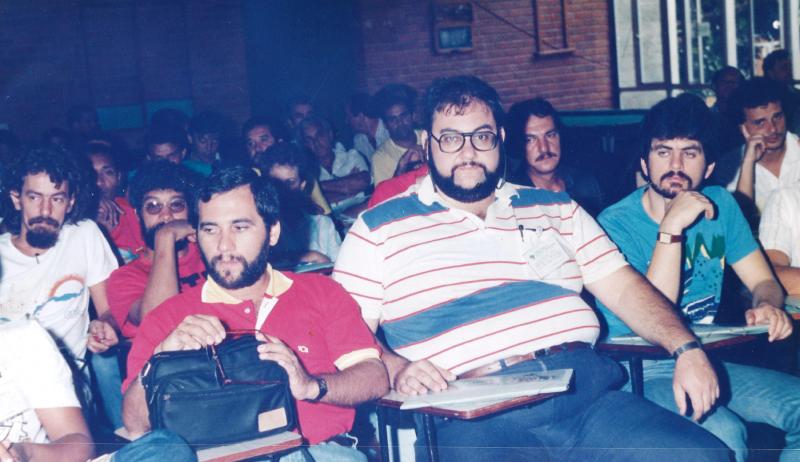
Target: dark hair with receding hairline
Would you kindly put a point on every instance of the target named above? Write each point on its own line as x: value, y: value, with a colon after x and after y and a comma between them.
x: 682, y: 116
x: 61, y: 166
x: 754, y: 93
x: 457, y: 93
x: 228, y: 179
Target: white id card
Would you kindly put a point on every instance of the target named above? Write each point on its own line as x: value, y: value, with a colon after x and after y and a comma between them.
x: 545, y: 255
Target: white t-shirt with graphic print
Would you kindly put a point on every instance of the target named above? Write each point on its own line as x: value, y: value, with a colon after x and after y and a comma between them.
x: 53, y: 288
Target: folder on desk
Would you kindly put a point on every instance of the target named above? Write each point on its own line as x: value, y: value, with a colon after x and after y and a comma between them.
x: 488, y: 389
x: 705, y: 332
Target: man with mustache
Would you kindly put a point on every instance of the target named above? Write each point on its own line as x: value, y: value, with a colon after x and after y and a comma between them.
x: 680, y: 235
x: 771, y: 155
x: 402, y: 152
x: 534, y: 129
x: 54, y: 259
x: 468, y: 275
x: 308, y: 323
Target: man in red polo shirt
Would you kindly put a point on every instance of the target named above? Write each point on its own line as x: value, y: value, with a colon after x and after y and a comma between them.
x: 310, y: 325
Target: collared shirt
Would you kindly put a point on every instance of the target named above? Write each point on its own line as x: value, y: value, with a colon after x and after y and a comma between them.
x: 461, y: 291
x: 780, y: 223
x: 765, y: 182
x: 386, y: 157
x: 310, y: 313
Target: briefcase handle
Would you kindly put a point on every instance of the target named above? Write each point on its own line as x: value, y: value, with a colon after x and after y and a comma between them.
x: 219, y: 369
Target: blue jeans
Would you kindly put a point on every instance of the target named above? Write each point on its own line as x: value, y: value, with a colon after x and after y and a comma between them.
x: 156, y: 446
x: 590, y: 422
x: 748, y: 394
x: 109, y: 382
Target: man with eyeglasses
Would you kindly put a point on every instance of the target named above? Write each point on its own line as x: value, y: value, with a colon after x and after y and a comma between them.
x: 170, y: 261
x: 402, y: 152
x: 470, y: 276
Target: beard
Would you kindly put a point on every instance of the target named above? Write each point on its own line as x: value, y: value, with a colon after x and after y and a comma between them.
x: 251, y: 270
x: 467, y: 195
x: 149, y: 236
x: 42, y: 237
x: 666, y: 193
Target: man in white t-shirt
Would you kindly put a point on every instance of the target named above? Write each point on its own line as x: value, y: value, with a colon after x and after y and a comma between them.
x: 40, y: 417
x: 771, y: 154
x: 54, y: 259
x: 779, y: 234
x: 343, y: 174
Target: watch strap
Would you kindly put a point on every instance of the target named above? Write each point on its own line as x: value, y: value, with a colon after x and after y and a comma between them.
x: 323, y: 389
x: 693, y: 345
x: 667, y: 238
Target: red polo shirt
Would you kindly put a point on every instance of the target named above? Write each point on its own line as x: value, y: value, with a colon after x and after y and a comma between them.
x: 127, y: 283
x: 314, y: 316
x: 127, y: 235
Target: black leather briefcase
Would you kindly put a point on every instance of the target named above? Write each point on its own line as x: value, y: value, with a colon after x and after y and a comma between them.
x: 218, y: 395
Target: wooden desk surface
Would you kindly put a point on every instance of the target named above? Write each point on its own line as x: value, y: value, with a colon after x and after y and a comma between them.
x: 470, y: 411
x: 246, y: 450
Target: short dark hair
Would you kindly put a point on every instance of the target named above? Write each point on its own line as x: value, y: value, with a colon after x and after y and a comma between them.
x: 395, y: 93
x: 228, y: 179
x: 754, y: 93
x: 159, y: 175
x: 773, y: 58
x: 362, y: 103
x: 290, y: 154
x: 682, y: 116
x: 166, y: 135
x: 275, y: 127
x: 207, y: 122
x: 61, y: 166
x: 724, y: 70
x: 458, y: 92
x: 517, y: 119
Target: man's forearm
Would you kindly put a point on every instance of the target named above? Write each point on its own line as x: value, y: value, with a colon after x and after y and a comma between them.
x: 135, y: 415
x: 746, y: 183
x: 75, y: 447
x: 642, y: 307
x: 789, y: 277
x: 162, y: 283
x: 349, y: 185
x: 770, y: 292
x: 359, y: 383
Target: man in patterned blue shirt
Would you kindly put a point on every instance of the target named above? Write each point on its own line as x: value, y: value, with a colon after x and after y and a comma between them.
x: 680, y: 235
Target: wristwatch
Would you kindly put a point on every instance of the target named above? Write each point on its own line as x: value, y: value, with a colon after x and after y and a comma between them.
x: 323, y: 389
x: 667, y: 238
x: 692, y: 345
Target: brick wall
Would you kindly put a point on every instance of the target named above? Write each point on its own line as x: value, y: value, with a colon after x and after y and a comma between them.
x: 397, y: 46
x: 55, y: 53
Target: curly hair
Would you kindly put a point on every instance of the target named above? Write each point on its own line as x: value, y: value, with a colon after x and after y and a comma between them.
x: 61, y: 166
x: 159, y: 175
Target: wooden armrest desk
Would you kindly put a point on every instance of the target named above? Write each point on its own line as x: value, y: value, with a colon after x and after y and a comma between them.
x: 635, y: 354
x: 461, y: 411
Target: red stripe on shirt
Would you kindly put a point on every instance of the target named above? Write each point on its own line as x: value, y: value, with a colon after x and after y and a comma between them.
x: 463, y: 265
x: 460, y: 283
x: 504, y: 330
x: 595, y: 326
x: 599, y: 256
x: 589, y: 242
x: 356, y: 294
x: 428, y: 242
x: 353, y: 233
x: 407, y: 217
x: 426, y: 227
x: 338, y: 271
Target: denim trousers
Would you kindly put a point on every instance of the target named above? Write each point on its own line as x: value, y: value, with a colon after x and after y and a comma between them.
x: 156, y: 446
x: 326, y: 452
x: 109, y: 383
x: 590, y: 422
x: 748, y: 393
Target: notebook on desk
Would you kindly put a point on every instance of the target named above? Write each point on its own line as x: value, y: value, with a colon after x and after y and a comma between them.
x: 707, y: 333
x: 467, y: 394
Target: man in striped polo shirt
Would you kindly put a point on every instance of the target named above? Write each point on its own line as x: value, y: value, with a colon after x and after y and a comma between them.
x: 468, y: 275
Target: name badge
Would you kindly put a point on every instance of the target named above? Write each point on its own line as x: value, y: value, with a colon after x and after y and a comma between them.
x: 545, y: 255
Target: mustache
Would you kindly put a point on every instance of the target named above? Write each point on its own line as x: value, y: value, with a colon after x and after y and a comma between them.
x: 678, y: 174
x: 545, y: 155
x: 236, y: 258
x: 43, y: 220
x: 471, y: 163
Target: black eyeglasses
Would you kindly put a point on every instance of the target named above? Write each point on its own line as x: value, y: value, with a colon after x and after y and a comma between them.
x: 154, y: 207
x: 481, y: 140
